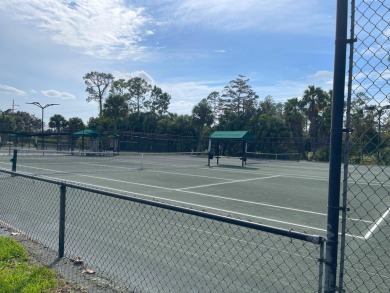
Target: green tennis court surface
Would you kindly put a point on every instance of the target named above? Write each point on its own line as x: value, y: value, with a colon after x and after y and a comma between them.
x: 279, y: 193
x: 286, y: 194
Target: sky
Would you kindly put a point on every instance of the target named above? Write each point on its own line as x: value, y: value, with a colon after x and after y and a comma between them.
x: 189, y: 48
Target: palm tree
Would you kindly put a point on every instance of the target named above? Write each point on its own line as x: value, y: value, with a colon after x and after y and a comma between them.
x: 294, y: 118
x: 313, y: 102
x: 58, y: 122
x: 74, y: 124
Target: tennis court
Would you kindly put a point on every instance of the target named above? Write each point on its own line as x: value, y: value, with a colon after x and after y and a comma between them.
x: 284, y: 194
x: 279, y: 193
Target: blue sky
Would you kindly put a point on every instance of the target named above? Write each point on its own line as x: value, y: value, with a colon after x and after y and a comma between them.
x: 189, y: 48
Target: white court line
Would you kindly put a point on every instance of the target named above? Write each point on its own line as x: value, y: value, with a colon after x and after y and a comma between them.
x: 154, y: 171
x: 233, y: 181
x: 297, y: 176
x: 211, y: 208
x: 200, y: 206
x: 189, y: 175
x: 269, y: 173
x: 207, y: 195
x: 186, y: 203
x: 29, y: 167
x: 110, y: 166
x: 376, y: 225
x: 270, y: 205
x: 294, y: 166
x: 218, y: 197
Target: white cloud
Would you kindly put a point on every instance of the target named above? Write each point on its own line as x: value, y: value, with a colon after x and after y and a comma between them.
x: 181, y: 107
x: 11, y: 90
x: 282, y: 90
x: 58, y: 95
x: 142, y: 74
x: 386, y: 74
x: 377, y: 50
x: 322, y: 78
x: 185, y: 95
x: 102, y: 28
x: 190, y: 91
x: 321, y: 74
x: 267, y: 15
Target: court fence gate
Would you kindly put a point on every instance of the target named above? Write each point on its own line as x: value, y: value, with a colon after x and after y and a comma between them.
x: 137, y: 245
x: 364, y: 258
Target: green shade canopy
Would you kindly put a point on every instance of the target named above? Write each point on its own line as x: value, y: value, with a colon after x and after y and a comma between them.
x: 87, y: 132
x: 231, y: 135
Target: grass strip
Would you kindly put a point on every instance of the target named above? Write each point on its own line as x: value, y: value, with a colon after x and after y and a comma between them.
x: 19, y: 274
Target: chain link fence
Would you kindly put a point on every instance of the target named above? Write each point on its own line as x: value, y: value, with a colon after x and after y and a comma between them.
x: 135, y: 245
x: 365, y: 259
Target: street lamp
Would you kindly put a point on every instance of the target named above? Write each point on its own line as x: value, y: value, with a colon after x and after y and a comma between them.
x: 43, y: 108
x: 379, y: 112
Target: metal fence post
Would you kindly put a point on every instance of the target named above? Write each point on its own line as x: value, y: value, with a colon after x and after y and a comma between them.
x: 336, y: 146
x: 347, y: 147
x: 61, y: 236
x: 321, y: 261
x: 14, y: 160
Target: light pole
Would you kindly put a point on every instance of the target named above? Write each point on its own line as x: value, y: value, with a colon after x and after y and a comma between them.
x: 379, y: 112
x: 43, y: 108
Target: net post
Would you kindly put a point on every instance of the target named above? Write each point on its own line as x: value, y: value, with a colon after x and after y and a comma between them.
x: 243, y: 153
x: 61, y: 233
x: 209, y: 154
x: 14, y: 160
x: 218, y: 151
x: 246, y: 151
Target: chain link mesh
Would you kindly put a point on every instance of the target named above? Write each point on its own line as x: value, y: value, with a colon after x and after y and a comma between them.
x: 30, y: 206
x: 132, y: 246
x: 365, y: 255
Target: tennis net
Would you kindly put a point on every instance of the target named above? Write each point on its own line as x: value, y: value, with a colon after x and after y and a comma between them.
x: 257, y: 157
x: 50, y: 162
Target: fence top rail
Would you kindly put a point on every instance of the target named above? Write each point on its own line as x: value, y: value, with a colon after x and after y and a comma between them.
x: 315, y: 239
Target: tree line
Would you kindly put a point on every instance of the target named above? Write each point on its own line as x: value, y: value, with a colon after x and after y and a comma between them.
x: 133, y: 105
